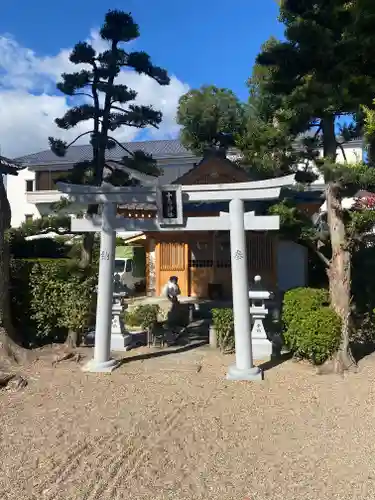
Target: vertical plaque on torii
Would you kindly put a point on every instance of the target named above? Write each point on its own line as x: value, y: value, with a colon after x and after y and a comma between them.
x: 169, y: 205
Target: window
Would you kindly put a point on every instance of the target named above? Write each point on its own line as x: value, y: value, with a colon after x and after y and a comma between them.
x: 119, y: 266
x: 29, y: 186
x: 46, y: 179
x: 129, y: 266
x: 28, y: 217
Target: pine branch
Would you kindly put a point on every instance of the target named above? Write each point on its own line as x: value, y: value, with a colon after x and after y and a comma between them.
x: 83, y: 94
x: 136, y: 116
x: 82, y: 53
x: 141, y: 63
x: 342, y: 151
x: 321, y: 255
x: 60, y: 147
x: 76, y: 115
x: 119, y: 27
x: 78, y: 137
x: 117, y: 108
x: 120, y: 93
x: 74, y: 81
x: 121, y: 145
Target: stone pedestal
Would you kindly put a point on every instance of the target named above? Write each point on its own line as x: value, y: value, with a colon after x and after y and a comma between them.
x: 262, y: 347
x: 213, y: 337
x: 120, y: 338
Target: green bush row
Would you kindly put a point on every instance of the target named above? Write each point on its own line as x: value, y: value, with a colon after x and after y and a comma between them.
x: 49, y: 298
x: 311, y: 329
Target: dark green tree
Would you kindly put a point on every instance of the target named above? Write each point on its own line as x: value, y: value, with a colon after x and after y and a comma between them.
x: 108, y: 105
x: 210, y: 117
x: 10, y: 350
x: 266, y: 143
x: 320, y: 76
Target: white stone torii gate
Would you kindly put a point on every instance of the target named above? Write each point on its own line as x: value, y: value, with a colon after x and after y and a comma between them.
x: 237, y: 222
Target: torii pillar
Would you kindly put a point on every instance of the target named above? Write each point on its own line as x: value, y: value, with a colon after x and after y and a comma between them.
x: 102, y: 361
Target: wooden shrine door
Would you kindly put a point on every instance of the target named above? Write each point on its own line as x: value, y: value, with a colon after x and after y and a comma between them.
x: 172, y: 260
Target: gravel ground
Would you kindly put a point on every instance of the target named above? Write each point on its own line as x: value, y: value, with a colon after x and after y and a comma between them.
x: 172, y: 427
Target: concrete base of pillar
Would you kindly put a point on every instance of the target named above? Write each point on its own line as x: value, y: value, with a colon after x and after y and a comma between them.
x: 235, y: 373
x: 212, y: 337
x: 94, y: 366
x: 120, y: 342
x: 262, y: 349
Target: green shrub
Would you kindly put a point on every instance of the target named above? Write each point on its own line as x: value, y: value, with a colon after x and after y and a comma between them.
x: 50, y: 298
x: 145, y: 316
x: 224, y: 328
x: 298, y: 301
x: 315, y: 335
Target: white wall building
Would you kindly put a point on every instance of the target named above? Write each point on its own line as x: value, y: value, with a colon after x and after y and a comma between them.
x: 33, y: 190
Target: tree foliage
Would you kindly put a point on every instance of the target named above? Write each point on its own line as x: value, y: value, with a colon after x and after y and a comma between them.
x: 107, y: 104
x: 318, y: 74
x: 209, y: 116
x: 51, y: 298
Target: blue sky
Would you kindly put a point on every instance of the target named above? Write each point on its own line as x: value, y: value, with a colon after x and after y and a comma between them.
x: 197, y: 41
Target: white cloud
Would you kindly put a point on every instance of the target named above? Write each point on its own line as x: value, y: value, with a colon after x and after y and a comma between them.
x: 29, y: 104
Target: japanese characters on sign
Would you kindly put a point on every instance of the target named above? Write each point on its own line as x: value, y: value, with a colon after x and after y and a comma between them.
x: 169, y: 201
x: 169, y: 204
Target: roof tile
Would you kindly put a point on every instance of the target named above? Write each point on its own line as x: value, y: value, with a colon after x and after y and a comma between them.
x: 158, y: 149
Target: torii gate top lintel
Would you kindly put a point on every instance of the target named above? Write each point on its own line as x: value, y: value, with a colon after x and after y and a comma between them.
x: 254, y: 190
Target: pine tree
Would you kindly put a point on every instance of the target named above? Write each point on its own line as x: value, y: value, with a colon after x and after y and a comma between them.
x: 266, y: 143
x: 108, y: 105
x: 320, y: 75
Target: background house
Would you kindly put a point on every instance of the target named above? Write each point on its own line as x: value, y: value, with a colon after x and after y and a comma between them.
x: 198, y: 259
x: 33, y: 190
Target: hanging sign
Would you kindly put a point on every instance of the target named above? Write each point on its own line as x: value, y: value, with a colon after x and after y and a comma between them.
x: 169, y: 204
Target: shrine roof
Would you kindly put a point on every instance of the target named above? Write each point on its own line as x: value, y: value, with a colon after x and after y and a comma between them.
x: 9, y: 166
x: 158, y: 149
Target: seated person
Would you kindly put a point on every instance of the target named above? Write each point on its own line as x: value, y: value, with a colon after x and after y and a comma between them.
x: 171, y: 290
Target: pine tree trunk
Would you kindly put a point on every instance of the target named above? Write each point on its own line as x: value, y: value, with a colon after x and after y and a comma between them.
x: 339, y: 271
x: 72, y: 340
x: 10, y: 352
x: 88, y: 241
x: 339, y: 274
x: 87, y: 249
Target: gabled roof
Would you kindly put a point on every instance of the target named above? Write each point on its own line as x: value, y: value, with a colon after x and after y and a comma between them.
x: 217, y: 166
x: 9, y: 166
x: 170, y: 173
x: 158, y: 149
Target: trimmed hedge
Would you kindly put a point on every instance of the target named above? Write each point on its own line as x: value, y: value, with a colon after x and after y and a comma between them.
x: 145, y: 316
x: 49, y: 298
x: 299, y: 301
x: 316, y: 336
x: 312, y: 330
x: 224, y: 327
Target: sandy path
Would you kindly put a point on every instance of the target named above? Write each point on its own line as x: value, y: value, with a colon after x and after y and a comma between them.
x: 158, y: 429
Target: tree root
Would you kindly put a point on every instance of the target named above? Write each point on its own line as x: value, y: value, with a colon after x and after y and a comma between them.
x: 11, y: 354
x: 342, y: 362
x: 77, y: 357
x: 12, y: 382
